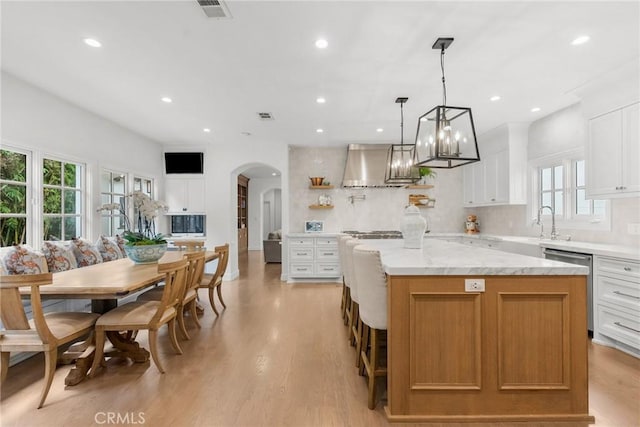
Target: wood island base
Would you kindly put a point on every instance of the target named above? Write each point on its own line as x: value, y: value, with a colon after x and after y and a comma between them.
x: 515, y: 352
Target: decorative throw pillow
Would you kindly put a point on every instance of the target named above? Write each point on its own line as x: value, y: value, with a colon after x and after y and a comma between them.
x: 121, y: 242
x: 108, y: 248
x: 85, y: 252
x: 59, y: 256
x: 24, y: 260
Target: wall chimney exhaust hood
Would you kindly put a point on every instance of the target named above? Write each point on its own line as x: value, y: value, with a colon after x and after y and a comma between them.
x: 366, y: 166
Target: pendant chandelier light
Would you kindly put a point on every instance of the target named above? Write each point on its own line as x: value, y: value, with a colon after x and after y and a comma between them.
x: 446, y: 136
x: 401, y: 157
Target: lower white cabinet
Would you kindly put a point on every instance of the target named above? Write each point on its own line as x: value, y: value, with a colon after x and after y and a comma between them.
x: 313, y: 257
x: 617, y: 303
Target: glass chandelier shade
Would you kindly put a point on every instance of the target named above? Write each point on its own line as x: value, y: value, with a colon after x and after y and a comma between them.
x: 446, y: 136
x: 401, y: 157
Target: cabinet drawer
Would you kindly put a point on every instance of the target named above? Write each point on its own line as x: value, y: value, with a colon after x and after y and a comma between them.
x: 620, y: 267
x: 301, y: 241
x: 619, y: 325
x: 328, y: 269
x: 301, y: 254
x: 327, y: 241
x: 301, y: 269
x: 621, y: 292
x: 327, y: 254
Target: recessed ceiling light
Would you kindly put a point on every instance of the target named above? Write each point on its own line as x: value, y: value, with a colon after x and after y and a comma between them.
x: 93, y: 42
x: 321, y: 100
x: 274, y: 173
x: 379, y: 130
x: 319, y: 130
x: 580, y: 40
x: 535, y: 109
x: 167, y: 99
x: 207, y: 130
x: 495, y: 98
x: 322, y: 43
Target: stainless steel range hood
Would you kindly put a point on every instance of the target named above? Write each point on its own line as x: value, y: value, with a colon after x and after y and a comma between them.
x: 366, y: 166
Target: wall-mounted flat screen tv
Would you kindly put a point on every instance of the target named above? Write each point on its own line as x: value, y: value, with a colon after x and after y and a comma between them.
x: 191, y: 162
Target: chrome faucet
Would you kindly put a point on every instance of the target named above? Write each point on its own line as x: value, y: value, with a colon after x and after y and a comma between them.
x: 554, y: 233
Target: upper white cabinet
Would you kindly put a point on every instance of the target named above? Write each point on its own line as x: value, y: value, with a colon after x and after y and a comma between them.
x: 500, y: 177
x: 613, y: 152
x: 185, y: 195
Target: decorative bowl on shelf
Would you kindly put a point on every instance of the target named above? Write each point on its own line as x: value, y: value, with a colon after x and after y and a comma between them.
x: 316, y: 180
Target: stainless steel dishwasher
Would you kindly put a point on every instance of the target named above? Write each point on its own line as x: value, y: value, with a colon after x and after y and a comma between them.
x: 579, y: 259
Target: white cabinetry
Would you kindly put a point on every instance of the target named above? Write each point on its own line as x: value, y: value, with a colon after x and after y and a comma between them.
x: 500, y: 177
x: 617, y: 303
x: 185, y: 195
x: 313, y: 257
x: 612, y: 154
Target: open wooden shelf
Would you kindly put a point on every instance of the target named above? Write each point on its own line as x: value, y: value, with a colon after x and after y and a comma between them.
x: 320, y: 206
x: 419, y: 186
x: 321, y: 187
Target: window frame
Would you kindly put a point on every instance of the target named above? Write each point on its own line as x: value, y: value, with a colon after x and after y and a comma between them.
x: 569, y: 219
x: 82, y: 188
x: 124, y: 209
x: 30, y: 187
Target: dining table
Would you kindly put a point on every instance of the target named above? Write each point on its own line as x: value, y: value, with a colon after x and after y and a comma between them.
x: 105, y: 284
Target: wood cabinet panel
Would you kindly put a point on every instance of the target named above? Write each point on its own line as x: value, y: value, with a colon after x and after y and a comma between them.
x: 529, y: 321
x: 549, y: 310
x: 447, y: 357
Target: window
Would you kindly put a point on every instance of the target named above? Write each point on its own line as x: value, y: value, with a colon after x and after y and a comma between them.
x: 62, y: 199
x: 14, y: 193
x: 113, y: 189
x: 560, y: 184
x: 144, y: 185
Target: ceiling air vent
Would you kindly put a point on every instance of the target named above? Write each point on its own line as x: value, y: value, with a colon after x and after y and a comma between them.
x: 265, y: 116
x: 214, y: 8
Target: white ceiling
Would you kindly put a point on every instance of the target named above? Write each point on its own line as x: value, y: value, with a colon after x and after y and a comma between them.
x: 220, y: 73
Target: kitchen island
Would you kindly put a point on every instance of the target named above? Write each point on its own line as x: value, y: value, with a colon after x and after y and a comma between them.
x: 510, y: 347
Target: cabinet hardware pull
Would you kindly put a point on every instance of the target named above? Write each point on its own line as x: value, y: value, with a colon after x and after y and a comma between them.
x: 303, y: 253
x: 327, y: 253
x: 328, y: 269
x: 626, y: 327
x: 627, y: 269
x: 625, y: 295
x: 493, y: 200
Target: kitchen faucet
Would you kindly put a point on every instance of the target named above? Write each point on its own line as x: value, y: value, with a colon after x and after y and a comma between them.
x: 554, y: 233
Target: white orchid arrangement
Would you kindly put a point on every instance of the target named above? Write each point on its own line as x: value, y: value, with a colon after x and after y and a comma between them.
x: 147, y: 210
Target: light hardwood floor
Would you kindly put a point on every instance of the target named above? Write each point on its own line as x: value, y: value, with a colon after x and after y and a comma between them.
x: 277, y: 356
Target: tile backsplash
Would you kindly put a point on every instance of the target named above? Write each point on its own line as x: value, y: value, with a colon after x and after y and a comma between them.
x: 381, y: 209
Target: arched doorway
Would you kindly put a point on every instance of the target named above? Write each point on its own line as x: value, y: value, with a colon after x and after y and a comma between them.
x: 259, y: 205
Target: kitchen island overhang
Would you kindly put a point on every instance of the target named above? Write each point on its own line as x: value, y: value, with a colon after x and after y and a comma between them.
x: 516, y: 351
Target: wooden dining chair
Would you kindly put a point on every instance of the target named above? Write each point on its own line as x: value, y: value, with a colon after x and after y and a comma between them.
x: 149, y: 315
x: 214, y: 281
x: 190, y: 245
x: 45, y: 332
x: 188, y: 302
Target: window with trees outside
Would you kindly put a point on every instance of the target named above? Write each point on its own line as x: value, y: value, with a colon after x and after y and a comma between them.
x: 145, y: 186
x: 14, y: 193
x: 62, y: 199
x: 113, y: 189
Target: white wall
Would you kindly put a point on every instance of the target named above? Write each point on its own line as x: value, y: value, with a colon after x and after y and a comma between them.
x: 382, y: 209
x: 224, y: 161
x: 36, y: 120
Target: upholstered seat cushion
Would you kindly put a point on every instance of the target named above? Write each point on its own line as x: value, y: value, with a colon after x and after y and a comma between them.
x: 64, y: 325
x: 134, y: 315
x: 58, y: 255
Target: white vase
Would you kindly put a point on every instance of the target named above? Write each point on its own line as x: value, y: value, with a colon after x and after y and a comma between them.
x: 413, y: 228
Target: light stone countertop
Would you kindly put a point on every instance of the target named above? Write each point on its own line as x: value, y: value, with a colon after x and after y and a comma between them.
x: 618, y: 251
x: 441, y: 258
